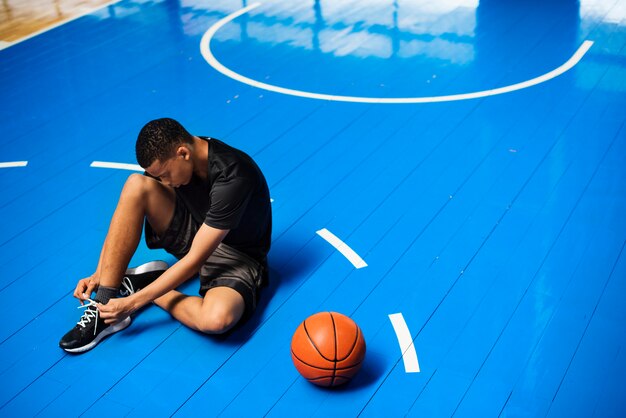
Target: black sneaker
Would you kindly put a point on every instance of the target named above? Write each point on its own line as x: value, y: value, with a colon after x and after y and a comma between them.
x: 139, y: 277
x: 90, y: 330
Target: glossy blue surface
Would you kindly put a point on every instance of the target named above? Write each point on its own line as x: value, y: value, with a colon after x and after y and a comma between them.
x: 495, y: 225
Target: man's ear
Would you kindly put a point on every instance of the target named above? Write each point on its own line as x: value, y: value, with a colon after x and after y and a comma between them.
x: 183, y: 152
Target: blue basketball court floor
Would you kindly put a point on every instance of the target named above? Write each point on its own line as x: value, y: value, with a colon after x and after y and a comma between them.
x: 449, y: 174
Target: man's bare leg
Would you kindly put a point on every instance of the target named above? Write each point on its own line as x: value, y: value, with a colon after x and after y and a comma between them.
x: 219, y: 310
x: 142, y: 197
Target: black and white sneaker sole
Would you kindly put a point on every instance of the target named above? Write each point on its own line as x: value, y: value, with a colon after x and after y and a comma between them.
x: 148, y: 267
x: 110, y: 330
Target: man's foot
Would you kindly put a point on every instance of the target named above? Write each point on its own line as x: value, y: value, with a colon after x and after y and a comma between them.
x: 90, y: 330
x: 139, y: 277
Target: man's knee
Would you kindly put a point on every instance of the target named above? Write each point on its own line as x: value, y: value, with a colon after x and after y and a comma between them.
x: 222, y: 308
x: 136, y: 185
x: 216, y: 322
x: 156, y: 201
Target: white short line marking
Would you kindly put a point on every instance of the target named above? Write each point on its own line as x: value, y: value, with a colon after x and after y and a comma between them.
x: 4, y: 45
x: 343, y: 248
x: 409, y: 356
x: 118, y: 166
x: 14, y: 164
x: 205, y: 49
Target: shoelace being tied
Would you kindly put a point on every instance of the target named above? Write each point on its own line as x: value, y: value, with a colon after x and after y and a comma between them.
x: 91, y: 310
x: 89, y: 314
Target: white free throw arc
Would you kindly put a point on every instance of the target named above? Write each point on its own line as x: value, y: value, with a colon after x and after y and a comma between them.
x: 205, y: 49
x: 409, y: 356
x: 343, y: 248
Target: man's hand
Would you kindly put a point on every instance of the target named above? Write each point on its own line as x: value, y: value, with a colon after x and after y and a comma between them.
x: 85, y: 287
x: 116, y: 310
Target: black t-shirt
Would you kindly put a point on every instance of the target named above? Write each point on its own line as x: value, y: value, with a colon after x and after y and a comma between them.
x: 235, y: 196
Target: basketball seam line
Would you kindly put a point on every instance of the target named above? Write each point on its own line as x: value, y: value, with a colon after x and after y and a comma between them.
x: 341, y: 369
x: 358, y: 331
x: 313, y: 343
x: 326, y: 377
x: 356, y: 339
x: 332, y: 318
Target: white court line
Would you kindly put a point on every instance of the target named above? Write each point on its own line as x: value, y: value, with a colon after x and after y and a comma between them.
x: 5, y: 44
x: 118, y: 166
x: 14, y: 164
x: 409, y: 356
x: 343, y: 248
x: 205, y: 49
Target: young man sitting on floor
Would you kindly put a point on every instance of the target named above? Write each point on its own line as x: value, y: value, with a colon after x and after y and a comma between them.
x: 204, y: 202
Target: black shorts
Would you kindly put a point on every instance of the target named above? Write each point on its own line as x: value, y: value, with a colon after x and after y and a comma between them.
x: 225, y: 267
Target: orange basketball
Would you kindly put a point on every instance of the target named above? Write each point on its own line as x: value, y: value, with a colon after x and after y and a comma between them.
x: 328, y: 349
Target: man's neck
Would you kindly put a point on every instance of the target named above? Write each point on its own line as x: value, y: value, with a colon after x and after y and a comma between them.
x: 200, y: 157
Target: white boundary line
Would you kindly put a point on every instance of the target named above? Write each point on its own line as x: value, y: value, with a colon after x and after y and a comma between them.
x: 205, y: 49
x: 4, y: 45
x: 14, y: 164
x: 409, y: 356
x: 118, y: 166
x: 343, y: 248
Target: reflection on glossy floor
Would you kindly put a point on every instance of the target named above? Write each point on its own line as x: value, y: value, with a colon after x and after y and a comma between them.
x: 22, y: 18
x: 493, y: 224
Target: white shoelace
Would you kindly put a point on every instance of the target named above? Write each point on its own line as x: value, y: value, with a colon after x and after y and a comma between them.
x: 128, y: 286
x: 89, y: 314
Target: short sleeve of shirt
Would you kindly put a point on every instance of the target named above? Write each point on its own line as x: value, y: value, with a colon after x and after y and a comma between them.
x: 229, y: 199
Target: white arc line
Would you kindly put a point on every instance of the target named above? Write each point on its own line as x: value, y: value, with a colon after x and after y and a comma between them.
x: 409, y: 356
x: 14, y: 164
x: 343, y: 248
x: 118, y: 166
x: 205, y: 49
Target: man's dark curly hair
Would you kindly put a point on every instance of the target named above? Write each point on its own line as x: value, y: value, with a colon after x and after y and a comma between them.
x: 158, y: 140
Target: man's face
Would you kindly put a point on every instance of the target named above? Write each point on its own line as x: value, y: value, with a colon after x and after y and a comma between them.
x: 173, y: 172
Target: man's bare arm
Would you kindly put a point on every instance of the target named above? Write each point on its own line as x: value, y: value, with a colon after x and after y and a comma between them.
x: 204, y: 243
